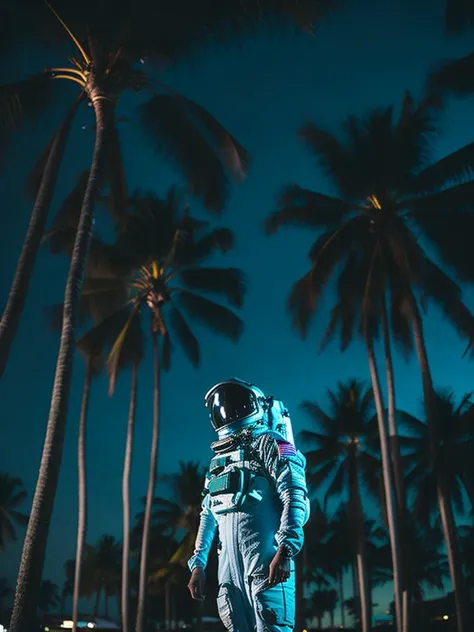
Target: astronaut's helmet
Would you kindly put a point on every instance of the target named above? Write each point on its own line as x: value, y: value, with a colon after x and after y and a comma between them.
x: 234, y: 405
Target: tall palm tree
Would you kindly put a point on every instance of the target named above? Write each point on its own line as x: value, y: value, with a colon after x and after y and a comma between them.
x: 342, y: 461
x: 92, y: 360
x: 157, y: 260
x: 12, y: 496
x: 387, y: 191
x: 439, y: 461
x: 49, y: 596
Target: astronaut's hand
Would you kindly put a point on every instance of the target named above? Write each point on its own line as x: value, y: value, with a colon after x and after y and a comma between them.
x: 279, y: 568
x: 196, y: 584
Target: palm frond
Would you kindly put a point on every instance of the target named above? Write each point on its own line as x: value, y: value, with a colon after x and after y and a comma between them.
x: 24, y: 100
x: 230, y: 282
x: 114, y: 357
x: 446, y: 218
x: 187, y: 339
x: 459, y: 15
x: 450, y: 170
x: 216, y: 317
x: 218, y: 239
x: 33, y: 182
x: 172, y: 126
x: 455, y: 76
x: 300, y: 304
x: 117, y: 199
x: 302, y: 207
x: 331, y: 154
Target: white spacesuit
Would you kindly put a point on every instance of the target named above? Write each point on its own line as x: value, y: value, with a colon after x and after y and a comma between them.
x: 255, y: 496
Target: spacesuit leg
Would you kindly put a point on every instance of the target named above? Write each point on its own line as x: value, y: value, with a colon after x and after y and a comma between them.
x: 233, y: 603
x: 275, y: 607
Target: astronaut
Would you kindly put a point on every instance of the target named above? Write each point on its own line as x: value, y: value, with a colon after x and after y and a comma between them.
x: 255, y: 497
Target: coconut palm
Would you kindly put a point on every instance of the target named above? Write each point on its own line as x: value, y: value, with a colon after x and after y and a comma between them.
x: 439, y: 461
x: 425, y: 567
x: 178, y: 517
x: 101, y: 573
x: 156, y: 262
x: 12, y: 496
x: 342, y: 461
x: 68, y: 584
x: 92, y: 358
x: 380, y: 166
x: 49, y: 596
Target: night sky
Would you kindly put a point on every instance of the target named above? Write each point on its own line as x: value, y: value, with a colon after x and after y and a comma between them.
x: 262, y: 91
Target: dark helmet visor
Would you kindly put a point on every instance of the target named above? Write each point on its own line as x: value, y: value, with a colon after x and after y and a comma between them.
x: 229, y: 403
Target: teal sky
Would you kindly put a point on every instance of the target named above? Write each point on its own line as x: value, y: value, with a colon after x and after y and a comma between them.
x: 261, y: 90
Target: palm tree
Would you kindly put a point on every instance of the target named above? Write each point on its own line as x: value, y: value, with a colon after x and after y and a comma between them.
x: 49, y: 596
x: 387, y: 190
x: 92, y: 358
x: 132, y: 355
x: 12, y: 496
x: 424, y: 566
x: 178, y: 519
x: 342, y: 461
x: 439, y: 461
x: 102, y: 571
x: 321, y: 601
x: 340, y: 548
x: 159, y: 246
x: 68, y: 584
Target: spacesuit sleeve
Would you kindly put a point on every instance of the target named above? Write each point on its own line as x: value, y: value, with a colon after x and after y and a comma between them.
x: 205, y: 536
x: 286, y: 466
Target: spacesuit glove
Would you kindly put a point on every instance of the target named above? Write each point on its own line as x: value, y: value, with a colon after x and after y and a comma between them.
x: 196, y: 584
x: 279, y: 567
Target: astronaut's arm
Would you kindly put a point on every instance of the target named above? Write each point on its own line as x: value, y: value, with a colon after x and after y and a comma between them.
x: 287, y: 468
x: 204, y: 538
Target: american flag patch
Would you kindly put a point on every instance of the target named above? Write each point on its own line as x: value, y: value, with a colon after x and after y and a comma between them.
x: 285, y: 448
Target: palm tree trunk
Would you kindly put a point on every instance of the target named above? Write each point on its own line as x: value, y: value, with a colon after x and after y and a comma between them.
x: 82, y: 511
x: 361, y: 559
x: 34, y: 548
x: 126, y: 499
x: 341, y: 598
x: 151, y: 487
x: 24, y: 270
x: 387, y: 481
x: 106, y: 598
x: 455, y: 568
x: 427, y: 380
x: 394, y: 444
x: 392, y: 423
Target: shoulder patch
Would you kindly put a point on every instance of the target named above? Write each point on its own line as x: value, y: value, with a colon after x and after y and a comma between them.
x: 285, y: 448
